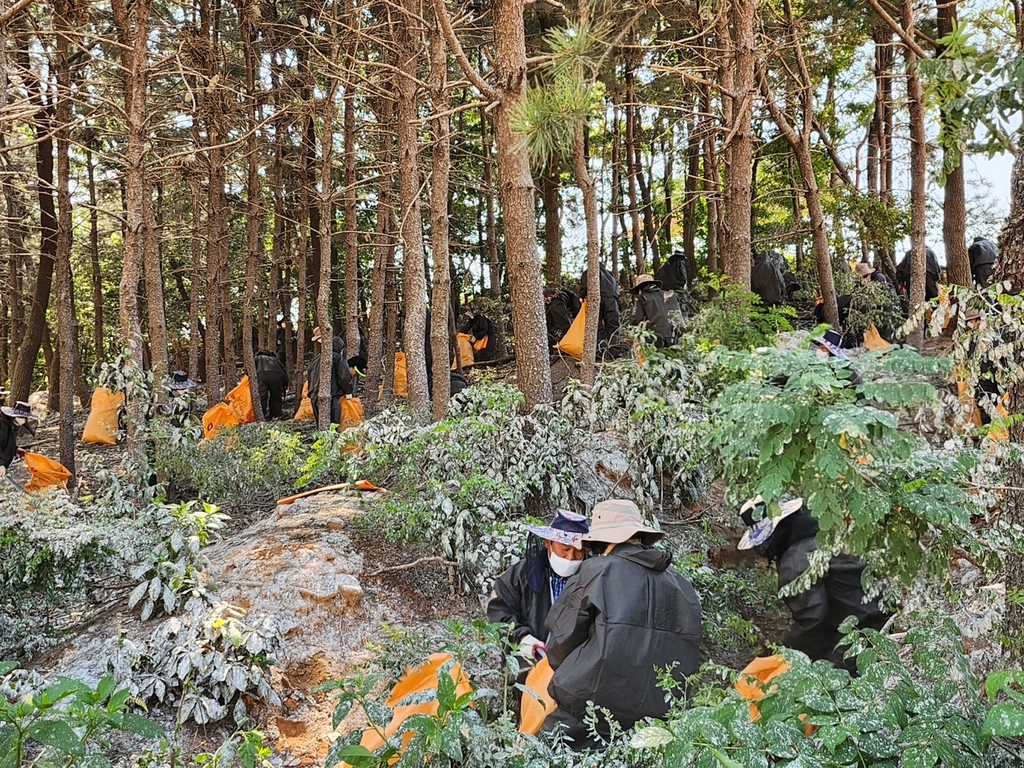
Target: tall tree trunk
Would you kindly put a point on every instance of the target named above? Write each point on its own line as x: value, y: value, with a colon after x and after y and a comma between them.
x: 636, y: 234
x: 382, y: 250
x: 196, y: 278
x: 592, y: 318
x: 491, y: 228
x: 154, y: 280
x: 740, y: 148
x: 133, y: 33
x: 712, y: 182
x: 954, y: 206
x: 414, y: 284
x: 66, y: 322
x: 247, y: 15
x: 440, y: 342
x: 918, y: 171
x: 615, y: 208
x: 690, y: 191
x: 551, y: 198
x: 94, y: 260
x: 329, y: 112
x: 351, y: 211
x: 24, y: 367
x: 800, y: 143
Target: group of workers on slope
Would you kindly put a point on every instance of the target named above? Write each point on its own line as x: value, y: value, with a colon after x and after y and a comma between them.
x: 609, y: 622
x: 654, y: 299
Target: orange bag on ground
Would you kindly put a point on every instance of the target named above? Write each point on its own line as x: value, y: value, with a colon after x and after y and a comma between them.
x: 104, y: 408
x: 481, y: 344
x: 305, y: 410
x: 572, y: 342
x: 417, y: 680
x: 351, y: 413
x: 873, y: 340
x: 970, y: 414
x: 465, y: 351
x: 401, y: 379
x: 45, y: 473
x: 532, y: 712
x: 240, y: 399
x: 753, y: 685
x: 220, y: 416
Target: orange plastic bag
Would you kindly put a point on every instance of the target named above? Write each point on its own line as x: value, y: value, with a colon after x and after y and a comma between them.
x: 220, y: 416
x: 417, y: 680
x: 351, y: 413
x: 533, y: 712
x: 305, y: 410
x: 481, y: 344
x: 401, y: 379
x: 971, y: 414
x: 572, y: 342
x: 45, y: 473
x: 104, y: 408
x: 873, y: 340
x: 465, y: 351
x: 753, y: 685
x: 240, y: 399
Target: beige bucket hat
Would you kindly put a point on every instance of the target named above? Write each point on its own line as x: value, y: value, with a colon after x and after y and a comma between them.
x: 643, y: 280
x: 617, y: 520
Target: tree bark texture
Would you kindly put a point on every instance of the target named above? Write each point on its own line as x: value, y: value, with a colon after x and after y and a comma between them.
x: 440, y: 342
x: 918, y: 171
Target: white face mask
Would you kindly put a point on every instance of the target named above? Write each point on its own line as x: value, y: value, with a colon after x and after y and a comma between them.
x: 563, y: 566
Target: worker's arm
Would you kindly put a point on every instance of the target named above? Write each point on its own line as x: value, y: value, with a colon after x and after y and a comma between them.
x: 505, y: 604
x: 570, y: 620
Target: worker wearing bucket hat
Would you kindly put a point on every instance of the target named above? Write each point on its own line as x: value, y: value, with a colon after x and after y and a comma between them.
x: 784, y: 533
x: 11, y: 419
x: 523, y: 595
x: 621, y: 618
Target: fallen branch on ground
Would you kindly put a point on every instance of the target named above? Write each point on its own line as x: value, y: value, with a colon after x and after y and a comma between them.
x: 407, y: 566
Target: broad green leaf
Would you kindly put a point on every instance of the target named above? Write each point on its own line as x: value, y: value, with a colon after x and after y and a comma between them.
x: 341, y: 711
x: 651, y: 738
x: 357, y: 756
x: 141, y: 726
x: 57, y: 734
x: 920, y: 757
x: 445, y: 691
x: 1004, y: 719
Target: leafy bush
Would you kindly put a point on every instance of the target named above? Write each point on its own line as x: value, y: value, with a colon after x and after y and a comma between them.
x: 250, y: 465
x: 65, y: 723
x: 877, y: 487
x: 733, y: 317
x: 915, y: 705
x: 203, y: 664
x: 458, y: 483
x: 174, y: 569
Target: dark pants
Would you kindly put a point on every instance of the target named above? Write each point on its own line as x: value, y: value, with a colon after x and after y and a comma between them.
x: 335, y: 409
x: 609, y: 320
x: 272, y: 389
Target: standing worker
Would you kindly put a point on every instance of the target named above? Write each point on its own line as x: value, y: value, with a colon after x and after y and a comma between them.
x: 608, y: 317
x: 561, y: 308
x: 341, y: 378
x: 983, y: 254
x: 766, y: 280
x: 273, y: 381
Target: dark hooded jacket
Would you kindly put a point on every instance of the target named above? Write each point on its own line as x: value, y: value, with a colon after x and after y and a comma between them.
x: 651, y: 308
x: 341, y: 378
x: 672, y: 274
x: 766, y: 281
x: 818, y: 612
x: 983, y: 255
x: 8, y: 443
x: 932, y: 274
x: 561, y: 310
x: 481, y: 327
x: 609, y: 315
x: 619, y: 618
x: 513, y: 602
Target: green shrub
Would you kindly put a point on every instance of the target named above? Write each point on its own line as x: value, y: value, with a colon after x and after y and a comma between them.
x: 733, y: 317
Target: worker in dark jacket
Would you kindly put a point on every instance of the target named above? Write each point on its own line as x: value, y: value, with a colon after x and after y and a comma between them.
x: 650, y: 308
x: 785, y: 534
x: 483, y: 334
x: 672, y: 274
x: 608, y: 318
x: 933, y: 272
x: 179, y: 399
x: 983, y: 254
x: 11, y: 420
x: 523, y: 595
x: 561, y: 308
x: 766, y: 280
x: 621, y: 618
x: 341, y: 379
x: 273, y: 381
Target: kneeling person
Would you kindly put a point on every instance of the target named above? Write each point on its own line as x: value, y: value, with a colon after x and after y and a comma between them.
x: 622, y: 617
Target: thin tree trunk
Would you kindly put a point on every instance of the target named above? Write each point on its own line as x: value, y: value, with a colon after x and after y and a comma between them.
x: 66, y: 323
x: 94, y: 259
x: 414, y: 284
x: 631, y: 173
x: 196, y: 243
x: 552, y: 222
x: 918, y: 171
x: 491, y: 228
x: 616, y: 201
x: 154, y: 280
x: 591, y: 320
x: 738, y: 183
x: 440, y: 342
x: 323, y: 296
x: 690, y: 187
x: 382, y: 249
x: 351, y: 219
x: 954, y: 206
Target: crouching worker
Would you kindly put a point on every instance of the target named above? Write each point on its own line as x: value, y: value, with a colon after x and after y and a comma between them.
x: 523, y: 595
x: 623, y: 617
x: 11, y: 420
x: 787, y: 538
